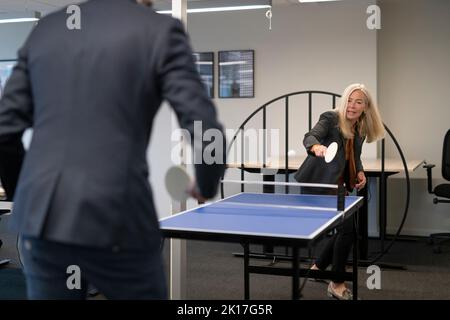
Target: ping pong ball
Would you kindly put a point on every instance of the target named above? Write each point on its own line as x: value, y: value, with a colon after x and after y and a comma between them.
x: 291, y: 153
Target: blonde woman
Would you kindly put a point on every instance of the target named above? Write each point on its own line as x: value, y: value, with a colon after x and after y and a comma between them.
x: 354, y: 121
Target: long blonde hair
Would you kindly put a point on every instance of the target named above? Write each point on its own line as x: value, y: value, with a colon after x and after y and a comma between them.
x: 369, y: 123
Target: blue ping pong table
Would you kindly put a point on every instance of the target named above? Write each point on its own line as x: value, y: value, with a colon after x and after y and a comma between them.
x: 290, y: 220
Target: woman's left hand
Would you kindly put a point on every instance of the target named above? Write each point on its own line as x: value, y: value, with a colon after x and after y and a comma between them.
x: 361, y: 180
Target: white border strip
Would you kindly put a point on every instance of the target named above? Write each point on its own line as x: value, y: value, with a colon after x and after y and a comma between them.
x: 281, y: 206
x: 277, y: 183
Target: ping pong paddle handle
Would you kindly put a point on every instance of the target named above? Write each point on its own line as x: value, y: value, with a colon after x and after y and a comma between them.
x: 194, y: 192
x: 318, y: 150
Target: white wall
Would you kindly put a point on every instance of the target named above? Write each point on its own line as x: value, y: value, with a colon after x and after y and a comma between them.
x: 312, y: 46
x: 12, y: 37
x: 414, y: 96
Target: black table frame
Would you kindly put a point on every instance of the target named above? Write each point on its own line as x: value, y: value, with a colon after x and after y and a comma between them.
x: 295, y: 271
x: 363, y: 215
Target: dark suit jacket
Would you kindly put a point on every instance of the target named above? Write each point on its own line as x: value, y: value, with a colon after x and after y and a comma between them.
x: 315, y: 169
x: 91, y: 96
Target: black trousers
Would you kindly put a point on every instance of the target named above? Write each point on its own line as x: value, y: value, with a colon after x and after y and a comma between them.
x: 337, y: 249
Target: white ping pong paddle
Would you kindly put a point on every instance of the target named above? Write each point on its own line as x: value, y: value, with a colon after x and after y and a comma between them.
x: 177, y: 183
x: 331, y: 152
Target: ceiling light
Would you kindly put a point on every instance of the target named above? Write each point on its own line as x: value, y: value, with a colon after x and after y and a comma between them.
x: 26, y: 16
x: 217, y: 5
x: 303, y: 1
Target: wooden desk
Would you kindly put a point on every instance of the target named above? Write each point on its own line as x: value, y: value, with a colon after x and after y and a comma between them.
x: 370, y: 165
x: 372, y: 169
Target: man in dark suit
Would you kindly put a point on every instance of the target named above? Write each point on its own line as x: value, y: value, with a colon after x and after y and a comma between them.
x: 83, y: 204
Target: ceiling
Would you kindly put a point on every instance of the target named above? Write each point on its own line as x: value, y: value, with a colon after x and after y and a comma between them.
x: 46, y: 6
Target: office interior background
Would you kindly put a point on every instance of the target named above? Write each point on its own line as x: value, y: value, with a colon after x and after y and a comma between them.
x: 323, y: 46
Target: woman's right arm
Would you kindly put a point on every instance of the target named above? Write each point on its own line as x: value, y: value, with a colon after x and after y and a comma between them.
x: 313, y: 138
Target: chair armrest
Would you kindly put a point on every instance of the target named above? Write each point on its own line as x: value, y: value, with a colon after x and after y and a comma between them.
x: 429, y: 168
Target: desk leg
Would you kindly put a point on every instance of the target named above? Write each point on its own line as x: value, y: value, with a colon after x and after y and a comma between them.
x: 246, y: 274
x: 383, y: 209
x: 363, y: 224
x: 296, y: 273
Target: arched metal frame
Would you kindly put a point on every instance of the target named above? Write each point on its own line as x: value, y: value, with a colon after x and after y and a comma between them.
x: 333, y: 96
x: 263, y: 108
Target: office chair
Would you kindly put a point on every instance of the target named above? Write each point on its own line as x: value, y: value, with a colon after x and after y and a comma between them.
x: 441, y: 191
x: 11, y: 159
x: 3, y: 262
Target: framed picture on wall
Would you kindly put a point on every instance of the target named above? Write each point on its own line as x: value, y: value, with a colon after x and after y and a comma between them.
x: 204, y: 62
x: 6, y: 67
x: 236, y: 74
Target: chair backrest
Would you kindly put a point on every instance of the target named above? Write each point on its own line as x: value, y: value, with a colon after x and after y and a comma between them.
x: 446, y: 157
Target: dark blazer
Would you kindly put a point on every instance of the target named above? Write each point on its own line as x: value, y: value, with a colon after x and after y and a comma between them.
x: 315, y: 169
x: 91, y: 96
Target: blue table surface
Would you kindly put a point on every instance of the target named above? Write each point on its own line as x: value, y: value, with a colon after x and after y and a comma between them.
x: 271, y: 215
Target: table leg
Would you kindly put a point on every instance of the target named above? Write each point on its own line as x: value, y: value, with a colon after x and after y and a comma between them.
x: 246, y: 273
x: 296, y: 273
x: 383, y: 209
x: 363, y: 224
x: 356, y: 215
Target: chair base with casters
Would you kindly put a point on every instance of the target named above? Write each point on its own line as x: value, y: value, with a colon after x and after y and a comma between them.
x: 436, y: 239
x: 441, y: 191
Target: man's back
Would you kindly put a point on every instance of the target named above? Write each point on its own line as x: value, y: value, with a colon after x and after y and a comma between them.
x: 93, y: 94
